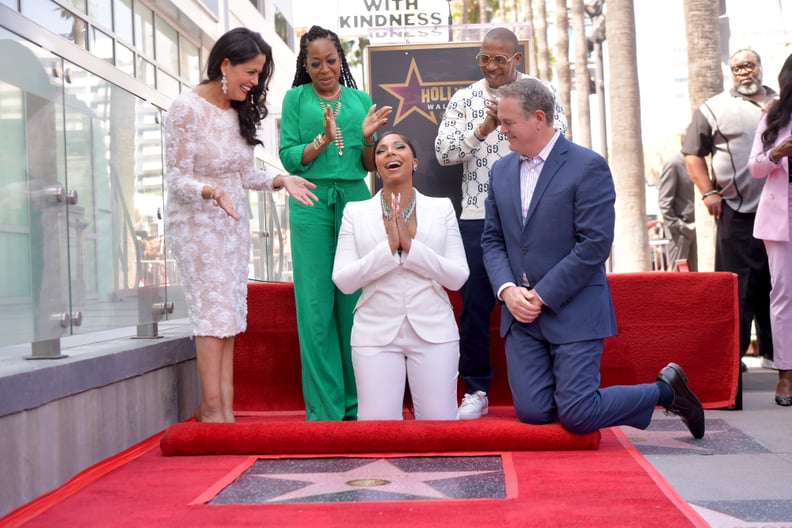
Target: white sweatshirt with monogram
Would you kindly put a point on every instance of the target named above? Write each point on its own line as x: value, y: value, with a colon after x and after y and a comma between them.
x: 456, y: 143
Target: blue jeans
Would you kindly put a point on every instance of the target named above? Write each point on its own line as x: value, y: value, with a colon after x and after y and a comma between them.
x: 478, y: 300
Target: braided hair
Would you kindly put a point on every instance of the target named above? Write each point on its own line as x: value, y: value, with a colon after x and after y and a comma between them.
x: 779, y: 114
x: 301, y: 73
x: 240, y: 45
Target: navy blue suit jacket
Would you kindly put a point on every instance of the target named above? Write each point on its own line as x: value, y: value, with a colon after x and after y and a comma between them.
x: 563, y: 244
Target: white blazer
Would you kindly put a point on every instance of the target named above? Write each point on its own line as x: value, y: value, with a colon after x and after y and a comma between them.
x: 772, y: 217
x: 394, y: 287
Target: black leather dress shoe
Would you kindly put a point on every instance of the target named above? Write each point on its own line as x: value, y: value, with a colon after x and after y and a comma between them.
x: 686, y: 405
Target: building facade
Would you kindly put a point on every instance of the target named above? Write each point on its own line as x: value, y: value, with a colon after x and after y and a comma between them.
x: 84, y: 90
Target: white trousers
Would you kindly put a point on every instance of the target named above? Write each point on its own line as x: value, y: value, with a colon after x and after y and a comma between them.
x: 779, y: 258
x: 381, y: 371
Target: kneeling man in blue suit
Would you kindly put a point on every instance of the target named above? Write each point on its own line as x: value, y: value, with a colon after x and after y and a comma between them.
x: 548, y: 232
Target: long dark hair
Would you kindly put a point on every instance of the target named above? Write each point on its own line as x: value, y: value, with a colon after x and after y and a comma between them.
x: 240, y: 45
x: 301, y: 73
x: 779, y: 112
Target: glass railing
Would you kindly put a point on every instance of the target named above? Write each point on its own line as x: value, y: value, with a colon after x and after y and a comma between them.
x: 82, y: 244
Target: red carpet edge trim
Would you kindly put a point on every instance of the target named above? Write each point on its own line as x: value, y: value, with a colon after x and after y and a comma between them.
x: 39, y: 505
x: 668, y: 490
x: 227, y: 479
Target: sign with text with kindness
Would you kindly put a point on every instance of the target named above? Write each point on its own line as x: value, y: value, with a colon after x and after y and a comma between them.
x: 359, y: 17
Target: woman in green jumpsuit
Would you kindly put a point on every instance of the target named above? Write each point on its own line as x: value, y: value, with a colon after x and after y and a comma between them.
x: 327, y: 135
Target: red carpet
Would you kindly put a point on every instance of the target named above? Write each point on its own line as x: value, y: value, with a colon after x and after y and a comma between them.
x: 563, y: 480
x: 689, y: 318
x: 299, y: 437
x: 613, y: 486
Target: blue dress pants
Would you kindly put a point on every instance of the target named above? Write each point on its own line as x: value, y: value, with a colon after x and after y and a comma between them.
x: 560, y: 382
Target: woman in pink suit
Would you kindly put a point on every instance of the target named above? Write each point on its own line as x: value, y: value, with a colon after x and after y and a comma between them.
x: 770, y: 158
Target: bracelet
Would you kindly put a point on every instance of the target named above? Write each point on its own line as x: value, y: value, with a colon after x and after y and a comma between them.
x: 770, y: 157
x: 476, y: 133
x: 368, y: 143
x: 211, y: 195
x: 319, y: 141
x: 710, y: 193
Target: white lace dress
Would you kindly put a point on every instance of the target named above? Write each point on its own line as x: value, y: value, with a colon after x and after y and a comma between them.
x: 203, y: 146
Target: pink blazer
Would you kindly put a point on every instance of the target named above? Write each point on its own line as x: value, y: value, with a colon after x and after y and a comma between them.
x: 772, y: 216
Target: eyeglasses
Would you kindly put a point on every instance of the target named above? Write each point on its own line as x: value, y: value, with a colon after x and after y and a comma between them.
x: 744, y: 67
x: 500, y: 60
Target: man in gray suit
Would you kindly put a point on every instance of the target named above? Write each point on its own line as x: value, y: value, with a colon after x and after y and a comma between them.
x: 675, y: 199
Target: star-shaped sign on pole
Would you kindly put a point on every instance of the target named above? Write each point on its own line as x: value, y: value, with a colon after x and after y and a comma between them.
x: 411, y: 95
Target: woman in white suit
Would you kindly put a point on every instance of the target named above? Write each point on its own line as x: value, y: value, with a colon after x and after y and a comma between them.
x: 770, y: 157
x: 403, y: 249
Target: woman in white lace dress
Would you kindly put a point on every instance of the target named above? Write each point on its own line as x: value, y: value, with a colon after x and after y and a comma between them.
x: 210, y: 137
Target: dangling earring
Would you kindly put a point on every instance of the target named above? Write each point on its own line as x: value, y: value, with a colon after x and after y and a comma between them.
x: 415, y: 168
x: 377, y: 175
x: 224, y: 84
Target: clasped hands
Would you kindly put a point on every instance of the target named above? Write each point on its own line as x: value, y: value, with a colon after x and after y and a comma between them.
x: 523, y: 304
x: 398, y: 229
x: 491, y: 121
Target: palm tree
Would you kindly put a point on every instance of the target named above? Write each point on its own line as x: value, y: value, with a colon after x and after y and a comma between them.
x: 702, y: 32
x: 631, y: 239
x: 582, y: 77
x: 562, y: 52
x: 540, y: 35
x: 531, y: 60
x: 705, y: 79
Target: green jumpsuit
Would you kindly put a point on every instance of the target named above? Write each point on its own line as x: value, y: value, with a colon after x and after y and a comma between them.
x: 324, y: 314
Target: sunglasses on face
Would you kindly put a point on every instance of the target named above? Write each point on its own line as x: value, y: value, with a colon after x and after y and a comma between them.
x: 500, y: 60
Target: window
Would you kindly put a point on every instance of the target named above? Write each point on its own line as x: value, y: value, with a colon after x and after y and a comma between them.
x: 166, y: 45
x: 145, y: 71
x: 102, y: 44
x: 101, y: 12
x: 57, y: 19
x: 190, y: 61
x: 76, y: 4
x: 122, y: 20
x: 284, y: 29
x: 168, y: 84
x: 144, y: 29
x: 125, y: 59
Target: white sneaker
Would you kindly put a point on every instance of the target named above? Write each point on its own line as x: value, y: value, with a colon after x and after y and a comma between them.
x: 474, y: 406
x: 767, y: 364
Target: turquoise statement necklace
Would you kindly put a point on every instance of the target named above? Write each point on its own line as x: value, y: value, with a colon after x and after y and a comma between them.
x: 405, y: 215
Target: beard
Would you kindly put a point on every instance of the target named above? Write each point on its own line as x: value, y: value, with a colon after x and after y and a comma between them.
x: 751, y: 88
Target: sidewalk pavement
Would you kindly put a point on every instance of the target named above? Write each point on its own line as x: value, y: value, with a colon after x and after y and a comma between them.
x: 740, y: 474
